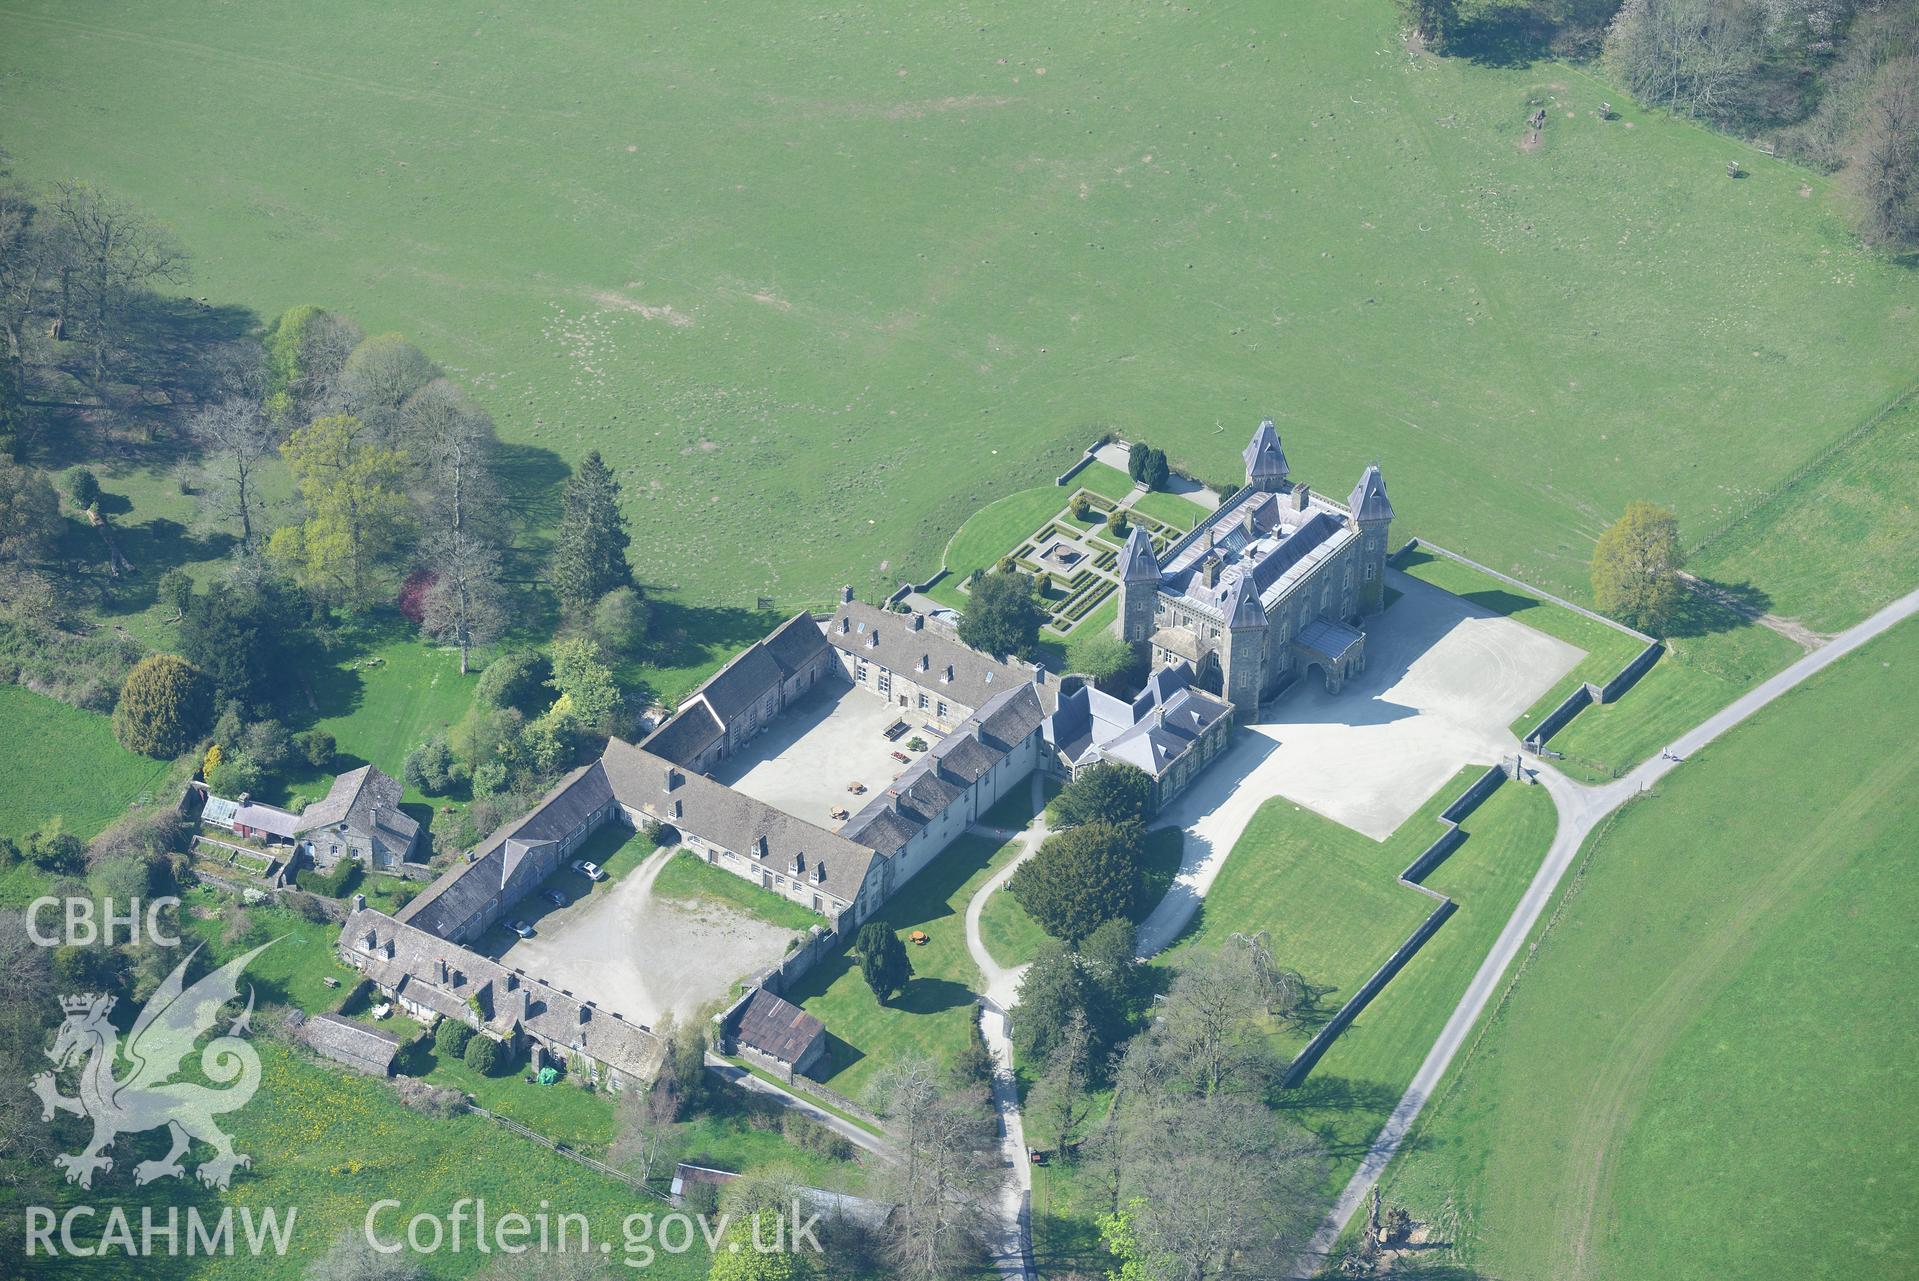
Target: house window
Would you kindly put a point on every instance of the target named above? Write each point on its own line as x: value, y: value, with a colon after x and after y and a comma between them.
x: 923, y: 701
x: 942, y: 708
x: 886, y: 682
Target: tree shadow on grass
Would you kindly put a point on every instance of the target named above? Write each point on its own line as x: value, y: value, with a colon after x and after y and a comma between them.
x: 532, y: 479
x: 840, y: 1056
x: 931, y: 996
x: 1503, y: 35
x: 1698, y: 614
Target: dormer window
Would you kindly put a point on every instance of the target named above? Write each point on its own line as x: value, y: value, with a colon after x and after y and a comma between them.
x: 819, y: 873
x: 872, y: 640
x: 925, y: 663
x: 948, y: 678
x: 673, y: 779
x: 759, y: 847
x: 797, y: 865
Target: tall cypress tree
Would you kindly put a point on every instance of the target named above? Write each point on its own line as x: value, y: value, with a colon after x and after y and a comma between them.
x: 589, y: 554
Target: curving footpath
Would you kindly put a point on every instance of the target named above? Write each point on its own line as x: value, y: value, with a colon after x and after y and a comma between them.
x: 1012, y: 1244
x: 1581, y: 809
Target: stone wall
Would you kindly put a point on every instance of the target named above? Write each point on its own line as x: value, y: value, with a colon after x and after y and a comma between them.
x: 1432, y: 856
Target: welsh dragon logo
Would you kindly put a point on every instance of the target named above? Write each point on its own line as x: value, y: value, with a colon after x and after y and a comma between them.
x: 147, y: 1097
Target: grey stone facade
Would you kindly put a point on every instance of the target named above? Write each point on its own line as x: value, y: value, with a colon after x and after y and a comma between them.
x: 1270, y: 586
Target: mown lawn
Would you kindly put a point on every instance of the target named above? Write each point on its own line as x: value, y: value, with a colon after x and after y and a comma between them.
x: 688, y: 877
x: 1712, y: 1036
x: 993, y: 531
x: 930, y: 1017
x: 1350, y: 1093
x: 1325, y: 896
x: 882, y: 258
x: 66, y: 765
x: 1175, y: 509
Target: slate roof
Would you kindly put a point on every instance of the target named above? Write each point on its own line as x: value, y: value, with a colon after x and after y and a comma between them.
x: 1260, y: 537
x: 965, y: 758
x: 688, y: 734
x: 1137, y: 563
x: 795, y: 643
x: 269, y: 818
x: 1240, y: 605
x: 354, y: 1044
x: 1090, y: 723
x: 466, y: 887
x: 1368, y: 499
x: 734, y: 820
x: 976, y: 677
x: 365, y: 800
x: 756, y: 669
x: 778, y: 1029
x: 399, y: 956
x: 939, y: 778
x: 741, y: 683
x: 1009, y: 719
x: 1264, y: 458
x: 1161, y: 737
x: 1329, y: 639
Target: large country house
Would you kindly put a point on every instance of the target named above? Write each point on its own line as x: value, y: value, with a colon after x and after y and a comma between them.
x: 1267, y: 588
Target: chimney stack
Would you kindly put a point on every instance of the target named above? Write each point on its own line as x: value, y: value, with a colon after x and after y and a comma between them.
x: 846, y: 594
x: 919, y: 621
x: 1302, y: 498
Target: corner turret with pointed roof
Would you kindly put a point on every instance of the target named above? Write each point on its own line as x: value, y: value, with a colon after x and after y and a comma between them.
x: 1368, y: 499
x: 1373, y: 518
x: 1137, y: 563
x: 1242, y: 653
x: 1241, y: 605
x: 1138, y: 570
x: 1265, y: 460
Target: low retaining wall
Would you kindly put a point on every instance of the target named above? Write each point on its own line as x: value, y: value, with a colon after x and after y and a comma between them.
x: 1528, y: 588
x: 1085, y: 459
x: 1432, y: 856
x: 796, y: 964
x: 1587, y: 694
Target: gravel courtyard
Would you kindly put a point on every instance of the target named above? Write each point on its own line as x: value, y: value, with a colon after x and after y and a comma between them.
x: 1444, y: 679
x: 802, y: 762
x: 640, y: 955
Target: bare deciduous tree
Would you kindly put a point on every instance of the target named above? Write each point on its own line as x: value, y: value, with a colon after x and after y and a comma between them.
x: 1223, y: 1186
x: 944, y: 1135
x: 646, y: 1130
x: 464, y: 608
x: 236, y: 439
x: 1685, y: 55
x: 1885, y: 161
x: 110, y: 251
x: 1209, y: 1025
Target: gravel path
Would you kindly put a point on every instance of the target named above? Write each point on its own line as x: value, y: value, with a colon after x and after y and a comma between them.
x: 1012, y: 1243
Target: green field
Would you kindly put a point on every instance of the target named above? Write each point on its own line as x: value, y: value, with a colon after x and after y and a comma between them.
x: 65, y: 764
x: 930, y: 1017
x: 1712, y: 1040
x: 1862, y: 499
x: 1327, y: 898
x: 861, y: 272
